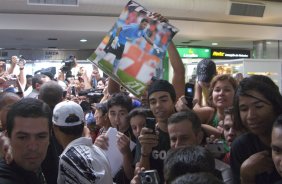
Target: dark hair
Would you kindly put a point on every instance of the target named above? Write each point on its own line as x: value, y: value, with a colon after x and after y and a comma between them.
x: 229, y: 111
x: 102, y: 107
x: 102, y: 79
x: 120, y: 99
x: 186, y: 115
x: 189, y: 159
x: 162, y: 85
x: 28, y: 108
x: 37, y: 79
x: 278, y: 122
x: 197, y: 178
x: 218, y: 78
x: 263, y: 85
x: 76, y: 130
x: 139, y: 111
x: 144, y: 20
x: 51, y: 93
x: 4, y: 96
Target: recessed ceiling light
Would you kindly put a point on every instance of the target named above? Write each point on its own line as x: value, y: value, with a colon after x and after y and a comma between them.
x: 214, y: 43
x: 83, y: 40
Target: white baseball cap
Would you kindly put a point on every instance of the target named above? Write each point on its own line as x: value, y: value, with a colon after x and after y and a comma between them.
x: 68, y: 113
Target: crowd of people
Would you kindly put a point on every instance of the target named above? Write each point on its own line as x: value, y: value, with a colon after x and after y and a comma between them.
x: 58, y: 129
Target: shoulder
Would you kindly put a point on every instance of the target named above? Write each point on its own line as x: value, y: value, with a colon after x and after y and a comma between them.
x: 246, y: 139
x: 5, y: 168
x: 206, y: 113
x: 7, y: 174
x: 243, y: 146
x: 76, y: 152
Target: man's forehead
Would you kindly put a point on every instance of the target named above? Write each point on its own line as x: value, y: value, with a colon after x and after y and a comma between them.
x: 183, y: 123
x: 159, y: 94
x: 24, y: 122
x: 118, y: 108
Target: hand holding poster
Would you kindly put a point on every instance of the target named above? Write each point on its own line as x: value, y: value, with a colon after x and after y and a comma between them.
x: 132, y: 52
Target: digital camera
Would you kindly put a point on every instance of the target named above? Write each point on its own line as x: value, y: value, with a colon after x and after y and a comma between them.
x: 217, y: 149
x: 149, y: 177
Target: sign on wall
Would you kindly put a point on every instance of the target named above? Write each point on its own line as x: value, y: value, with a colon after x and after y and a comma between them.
x: 229, y: 54
x: 194, y: 52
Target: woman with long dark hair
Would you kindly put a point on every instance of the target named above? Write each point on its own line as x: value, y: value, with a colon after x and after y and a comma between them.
x: 257, y: 103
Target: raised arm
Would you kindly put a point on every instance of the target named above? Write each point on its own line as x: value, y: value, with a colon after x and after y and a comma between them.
x: 178, y: 79
x: 13, y: 64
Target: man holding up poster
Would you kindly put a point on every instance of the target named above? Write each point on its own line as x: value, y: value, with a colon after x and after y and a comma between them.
x: 119, y: 38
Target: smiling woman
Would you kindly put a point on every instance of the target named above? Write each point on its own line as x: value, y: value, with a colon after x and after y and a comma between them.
x: 257, y: 104
x: 221, y: 92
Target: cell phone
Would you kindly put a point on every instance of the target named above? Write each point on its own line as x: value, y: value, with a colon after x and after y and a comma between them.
x: 149, y: 177
x: 189, y: 94
x: 217, y: 149
x: 151, y: 123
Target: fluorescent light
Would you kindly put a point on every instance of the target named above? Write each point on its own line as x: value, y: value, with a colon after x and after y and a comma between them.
x: 214, y: 43
x: 268, y: 42
x: 83, y: 40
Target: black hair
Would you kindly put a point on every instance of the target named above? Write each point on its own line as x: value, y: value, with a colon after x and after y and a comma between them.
x: 120, y: 99
x: 4, y: 96
x: 162, y: 85
x: 102, y: 79
x: 261, y: 84
x: 197, y: 178
x: 75, y: 131
x: 186, y: 115
x: 86, y: 106
x: 229, y: 111
x: 102, y: 107
x: 28, y: 108
x: 189, y: 159
x: 37, y: 79
x: 51, y: 93
x: 278, y: 122
x: 144, y: 20
x: 139, y: 111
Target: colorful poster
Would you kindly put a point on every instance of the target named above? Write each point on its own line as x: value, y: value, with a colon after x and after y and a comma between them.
x: 132, y: 51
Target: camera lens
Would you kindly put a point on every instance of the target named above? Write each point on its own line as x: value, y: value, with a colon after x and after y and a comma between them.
x: 148, y: 179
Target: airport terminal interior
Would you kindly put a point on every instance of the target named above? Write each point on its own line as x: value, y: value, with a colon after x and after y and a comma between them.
x: 168, y: 91
x: 52, y: 30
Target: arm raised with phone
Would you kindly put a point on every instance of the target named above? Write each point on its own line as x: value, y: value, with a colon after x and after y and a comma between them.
x: 148, y: 139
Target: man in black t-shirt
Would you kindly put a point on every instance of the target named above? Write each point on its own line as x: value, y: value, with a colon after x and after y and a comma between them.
x: 154, y: 147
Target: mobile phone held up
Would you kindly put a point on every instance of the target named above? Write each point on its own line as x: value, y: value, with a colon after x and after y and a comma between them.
x: 151, y: 124
x: 189, y: 94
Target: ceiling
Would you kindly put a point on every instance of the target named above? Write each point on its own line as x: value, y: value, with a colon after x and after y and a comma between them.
x: 201, y: 22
